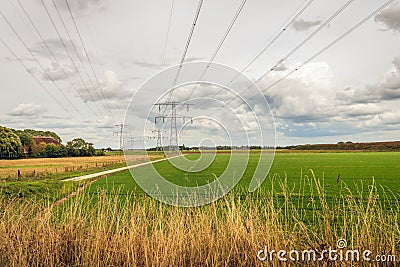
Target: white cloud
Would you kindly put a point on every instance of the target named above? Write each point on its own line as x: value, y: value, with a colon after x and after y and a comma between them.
x: 111, y: 89
x: 303, y: 25
x: 27, y: 110
x: 390, y: 17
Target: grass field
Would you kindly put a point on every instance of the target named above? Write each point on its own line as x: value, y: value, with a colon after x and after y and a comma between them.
x: 40, y: 178
x: 356, y: 170
x: 113, y: 223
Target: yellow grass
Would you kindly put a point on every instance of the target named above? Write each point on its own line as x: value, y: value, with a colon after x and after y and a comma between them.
x: 9, y: 168
x: 115, y: 230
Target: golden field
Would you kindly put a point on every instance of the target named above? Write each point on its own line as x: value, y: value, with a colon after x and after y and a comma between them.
x: 38, y: 166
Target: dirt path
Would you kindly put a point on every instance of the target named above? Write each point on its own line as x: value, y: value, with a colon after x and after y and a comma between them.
x: 94, y: 175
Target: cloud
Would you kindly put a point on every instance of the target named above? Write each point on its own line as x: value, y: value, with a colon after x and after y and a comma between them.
x: 306, y: 96
x: 111, y: 89
x: 280, y: 67
x: 390, y: 17
x: 27, y: 110
x: 57, y: 48
x: 303, y: 25
x: 81, y: 5
x: 56, y: 73
x: 388, y: 88
x: 147, y: 64
x: 312, y: 103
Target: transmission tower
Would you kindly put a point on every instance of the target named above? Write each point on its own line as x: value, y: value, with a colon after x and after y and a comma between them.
x: 173, y: 137
x: 159, y: 137
x: 120, y: 132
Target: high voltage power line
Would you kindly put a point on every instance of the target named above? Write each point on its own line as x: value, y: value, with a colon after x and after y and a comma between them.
x: 271, y: 40
x: 48, y: 48
x: 167, y: 35
x: 219, y: 46
x: 87, y: 56
x: 33, y: 76
x: 63, y: 44
x: 76, y: 51
x: 300, y: 45
x: 335, y: 41
x: 196, y: 16
x: 37, y: 61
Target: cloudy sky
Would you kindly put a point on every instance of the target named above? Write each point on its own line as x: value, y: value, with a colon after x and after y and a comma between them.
x: 76, y: 75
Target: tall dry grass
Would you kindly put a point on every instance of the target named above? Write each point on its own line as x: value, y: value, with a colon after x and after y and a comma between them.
x: 113, y: 230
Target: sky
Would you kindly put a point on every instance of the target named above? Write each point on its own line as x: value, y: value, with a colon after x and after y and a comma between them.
x: 109, y: 62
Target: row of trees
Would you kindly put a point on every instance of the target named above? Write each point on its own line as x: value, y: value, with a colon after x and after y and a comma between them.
x: 19, y: 143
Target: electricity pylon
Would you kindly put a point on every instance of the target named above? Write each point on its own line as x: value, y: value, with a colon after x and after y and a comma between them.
x: 159, y: 137
x: 173, y: 138
x: 120, y: 133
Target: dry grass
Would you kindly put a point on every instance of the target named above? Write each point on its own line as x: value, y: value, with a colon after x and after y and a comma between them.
x: 38, y: 166
x: 114, y: 230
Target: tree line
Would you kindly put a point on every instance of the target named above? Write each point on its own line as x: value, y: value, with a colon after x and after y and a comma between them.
x: 21, y: 143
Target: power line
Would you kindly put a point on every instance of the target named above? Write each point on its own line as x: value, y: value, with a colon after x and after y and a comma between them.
x: 167, y: 35
x: 87, y: 56
x: 219, y: 46
x: 33, y: 76
x: 299, y: 11
x: 277, y: 35
x: 350, y: 30
x: 188, y: 41
x: 308, y: 38
x: 64, y: 45
x: 196, y: 16
x: 37, y: 61
x: 77, y: 54
x: 336, y: 40
x: 47, y: 46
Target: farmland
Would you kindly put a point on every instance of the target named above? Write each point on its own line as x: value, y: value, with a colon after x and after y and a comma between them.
x: 355, y: 169
x: 302, y: 204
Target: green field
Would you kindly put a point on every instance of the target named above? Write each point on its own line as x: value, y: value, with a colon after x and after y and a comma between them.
x: 291, y: 170
x: 111, y: 222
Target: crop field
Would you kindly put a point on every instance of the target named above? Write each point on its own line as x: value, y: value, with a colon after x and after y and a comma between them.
x: 38, y: 166
x: 355, y: 170
x: 303, y: 204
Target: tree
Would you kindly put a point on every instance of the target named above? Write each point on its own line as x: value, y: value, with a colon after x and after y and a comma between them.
x: 79, y: 147
x: 10, y: 144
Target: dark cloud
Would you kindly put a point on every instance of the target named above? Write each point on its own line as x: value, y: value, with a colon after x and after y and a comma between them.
x: 303, y: 25
x: 390, y: 17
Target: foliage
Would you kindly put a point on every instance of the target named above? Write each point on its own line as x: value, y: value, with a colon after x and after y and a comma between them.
x: 10, y: 144
x: 79, y: 147
x: 31, y: 132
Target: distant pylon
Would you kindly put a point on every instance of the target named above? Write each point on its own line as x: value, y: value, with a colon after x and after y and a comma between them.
x: 120, y: 133
x: 159, y: 137
x: 173, y: 139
